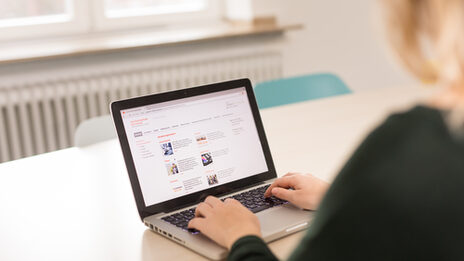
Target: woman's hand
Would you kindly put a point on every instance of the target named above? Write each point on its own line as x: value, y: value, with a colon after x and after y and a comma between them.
x: 224, y: 222
x: 304, y: 191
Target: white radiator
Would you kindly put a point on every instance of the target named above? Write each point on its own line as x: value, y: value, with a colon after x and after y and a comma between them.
x: 42, y: 115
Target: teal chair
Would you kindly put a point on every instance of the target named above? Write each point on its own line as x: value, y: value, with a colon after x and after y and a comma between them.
x: 298, y: 89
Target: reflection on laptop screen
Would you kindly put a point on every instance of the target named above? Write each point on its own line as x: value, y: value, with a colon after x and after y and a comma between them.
x: 191, y: 144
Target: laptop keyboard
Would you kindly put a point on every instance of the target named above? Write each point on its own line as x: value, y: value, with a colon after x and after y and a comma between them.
x: 253, y: 199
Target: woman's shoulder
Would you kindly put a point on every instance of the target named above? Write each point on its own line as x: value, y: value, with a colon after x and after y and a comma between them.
x: 414, y: 139
x: 413, y: 124
x: 419, y: 114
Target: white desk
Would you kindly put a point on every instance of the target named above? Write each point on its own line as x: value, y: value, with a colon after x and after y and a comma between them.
x: 77, y: 204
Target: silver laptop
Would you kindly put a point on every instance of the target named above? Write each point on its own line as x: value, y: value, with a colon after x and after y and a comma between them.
x: 181, y: 146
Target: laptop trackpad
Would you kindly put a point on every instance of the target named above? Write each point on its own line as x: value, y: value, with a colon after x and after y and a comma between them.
x: 283, y: 220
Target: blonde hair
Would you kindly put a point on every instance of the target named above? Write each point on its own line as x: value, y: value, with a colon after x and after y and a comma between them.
x: 428, y: 36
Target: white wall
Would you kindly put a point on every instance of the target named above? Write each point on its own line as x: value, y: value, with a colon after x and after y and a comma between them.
x: 340, y: 36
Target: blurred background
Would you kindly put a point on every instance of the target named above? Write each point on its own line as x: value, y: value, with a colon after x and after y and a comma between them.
x: 63, y: 61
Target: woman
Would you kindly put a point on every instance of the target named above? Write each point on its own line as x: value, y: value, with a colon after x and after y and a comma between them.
x: 401, y: 195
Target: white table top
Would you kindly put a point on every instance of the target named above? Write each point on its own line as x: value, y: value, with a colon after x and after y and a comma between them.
x: 77, y: 203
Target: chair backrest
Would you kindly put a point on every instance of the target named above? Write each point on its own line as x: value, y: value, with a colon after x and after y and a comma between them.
x: 297, y: 89
x: 94, y: 130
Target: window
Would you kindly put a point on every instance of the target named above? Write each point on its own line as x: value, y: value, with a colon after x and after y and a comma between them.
x: 125, y: 8
x: 126, y: 14
x: 30, y: 12
x: 20, y: 19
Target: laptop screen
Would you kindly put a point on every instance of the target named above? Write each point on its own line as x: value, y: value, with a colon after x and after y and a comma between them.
x: 191, y: 144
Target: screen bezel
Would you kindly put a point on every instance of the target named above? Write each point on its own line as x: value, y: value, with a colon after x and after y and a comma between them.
x: 196, y: 197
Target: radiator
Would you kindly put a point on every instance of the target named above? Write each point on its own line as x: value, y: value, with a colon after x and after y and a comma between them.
x: 41, y: 116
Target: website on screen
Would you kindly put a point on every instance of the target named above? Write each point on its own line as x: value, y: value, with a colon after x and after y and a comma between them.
x: 192, y: 144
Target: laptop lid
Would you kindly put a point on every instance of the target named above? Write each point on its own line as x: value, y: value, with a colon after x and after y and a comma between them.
x: 183, y: 145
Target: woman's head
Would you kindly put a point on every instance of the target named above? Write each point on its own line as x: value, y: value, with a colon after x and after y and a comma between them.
x: 428, y: 36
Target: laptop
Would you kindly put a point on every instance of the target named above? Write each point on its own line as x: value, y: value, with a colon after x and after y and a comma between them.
x: 181, y: 146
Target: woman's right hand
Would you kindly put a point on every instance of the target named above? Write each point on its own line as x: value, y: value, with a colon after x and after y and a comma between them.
x: 303, y: 190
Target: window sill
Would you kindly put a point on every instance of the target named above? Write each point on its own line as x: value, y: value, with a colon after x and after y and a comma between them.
x: 94, y: 44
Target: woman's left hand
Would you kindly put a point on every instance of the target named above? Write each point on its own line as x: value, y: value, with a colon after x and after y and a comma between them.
x: 224, y: 222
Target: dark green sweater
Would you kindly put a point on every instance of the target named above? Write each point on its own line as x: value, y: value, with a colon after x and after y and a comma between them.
x: 399, y: 197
